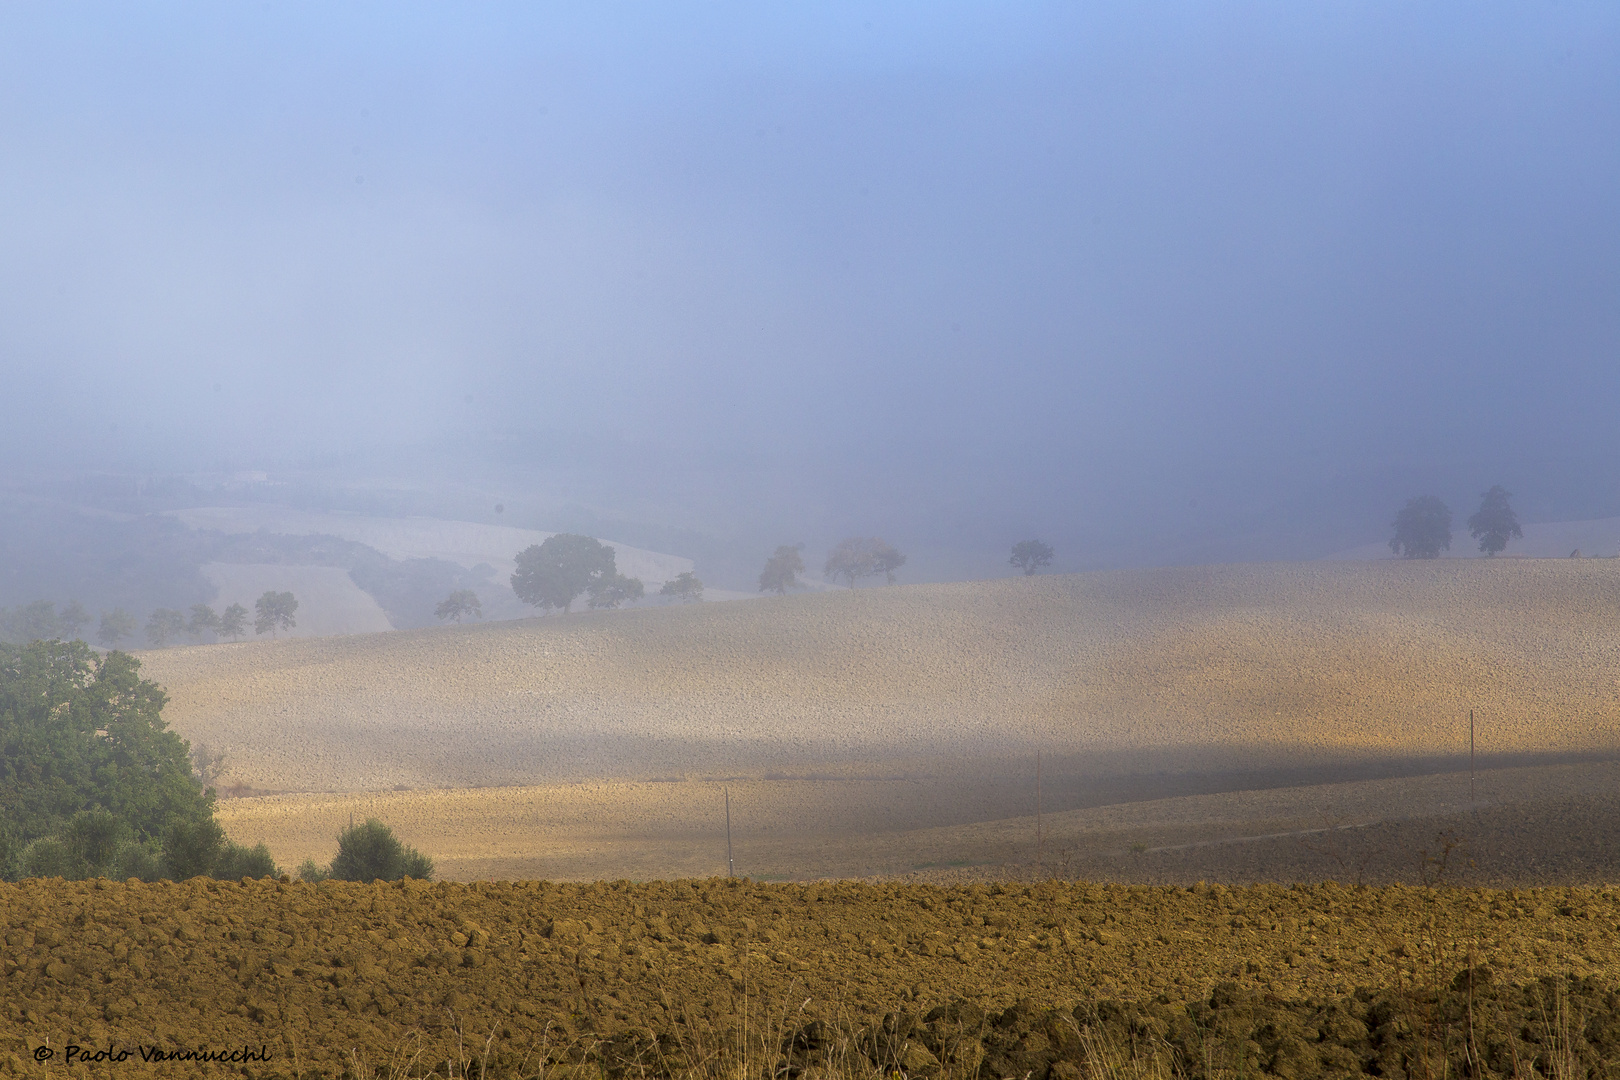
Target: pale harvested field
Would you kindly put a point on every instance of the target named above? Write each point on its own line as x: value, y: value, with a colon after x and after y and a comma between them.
x: 329, y: 602
x: 795, y: 830
x: 879, y: 712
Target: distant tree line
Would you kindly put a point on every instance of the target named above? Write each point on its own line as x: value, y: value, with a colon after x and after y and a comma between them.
x: 39, y: 621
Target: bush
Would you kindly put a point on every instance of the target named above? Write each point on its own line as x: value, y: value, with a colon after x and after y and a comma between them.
x: 371, y: 852
x: 236, y: 861
x: 49, y: 857
x: 137, y: 860
x: 308, y: 871
x: 192, y: 848
x: 95, y: 837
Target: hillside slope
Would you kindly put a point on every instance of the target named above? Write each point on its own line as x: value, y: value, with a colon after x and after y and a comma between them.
x: 1191, y: 670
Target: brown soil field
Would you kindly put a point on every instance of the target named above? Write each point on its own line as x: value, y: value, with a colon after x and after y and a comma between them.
x: 733, y: 977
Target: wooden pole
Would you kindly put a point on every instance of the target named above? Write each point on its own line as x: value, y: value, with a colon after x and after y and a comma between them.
x: 731, y: 867
x: 1040, y: 862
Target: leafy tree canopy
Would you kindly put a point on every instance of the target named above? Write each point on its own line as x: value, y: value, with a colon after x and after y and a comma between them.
x: 165, y: 625
x: 370, y: 852
x: 460, y: 604
x: 1495, y: 523
x: 204, y: 622
x: 611, y: 590
x: 273, y: 611
x: 116, y: 625
x: 686, y: 587
x: 1422, y: 528
x: 40, y: 621
x: 782, y: 570
x: 859, y: 557
x: 233, y: 622
x: 1030, y: 555
x: 84, y: 734
x: 553, y: 574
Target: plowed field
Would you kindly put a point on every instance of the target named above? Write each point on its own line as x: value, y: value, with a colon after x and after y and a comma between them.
x: 338, y: 977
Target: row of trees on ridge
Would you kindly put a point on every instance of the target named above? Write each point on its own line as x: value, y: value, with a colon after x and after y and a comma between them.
x: 40, y: 621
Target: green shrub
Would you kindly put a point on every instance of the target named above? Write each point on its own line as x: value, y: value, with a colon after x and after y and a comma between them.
x: 371, y: 852
x: 236, y: 861
x: 49, y: 857
x: 308, y: 871
x: 137, y: 860
x: 192, y: 848
x: 95, y: 837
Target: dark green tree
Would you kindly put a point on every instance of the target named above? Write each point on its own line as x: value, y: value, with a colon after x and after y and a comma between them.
x: 1030, y: 555
x: 165, y: 625
x: 554, y: 573
x: 273, y: 611
x: 782, y: 570
x: 116, y: 625
x: 859, y: 557
x: 686, y: 587
x: 1495, y: 523
x: 459, y: 605
x: 233, y: 622
x: 1422, y: 528
x: 237, y: 861
x: 81, y: 732
x: 372, y: 852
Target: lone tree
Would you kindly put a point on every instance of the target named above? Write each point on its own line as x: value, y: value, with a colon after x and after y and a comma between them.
x: 116, y: 625
x: 1495, y: 523
x: 1030, y: 555
x: 687, y: 588
x: 165, y: 625
x: 867, y: 556
x: 233, y: 623
x: 611, y: 590
x: 371, y: 852
x: 458, y: 605
x: 782, y: 570
x: 1422, y: 528
x: 72, y: 621
x: 553, y: 574
x: 274, y: 611
x: 204, y: 622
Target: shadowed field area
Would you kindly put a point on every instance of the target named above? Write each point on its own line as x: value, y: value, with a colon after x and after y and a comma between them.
x: 880, y: 731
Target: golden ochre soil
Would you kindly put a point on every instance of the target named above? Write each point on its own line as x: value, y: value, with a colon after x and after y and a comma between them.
x: 1554, y: 824
x: 1193, y: 669
x: 700, y: 977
